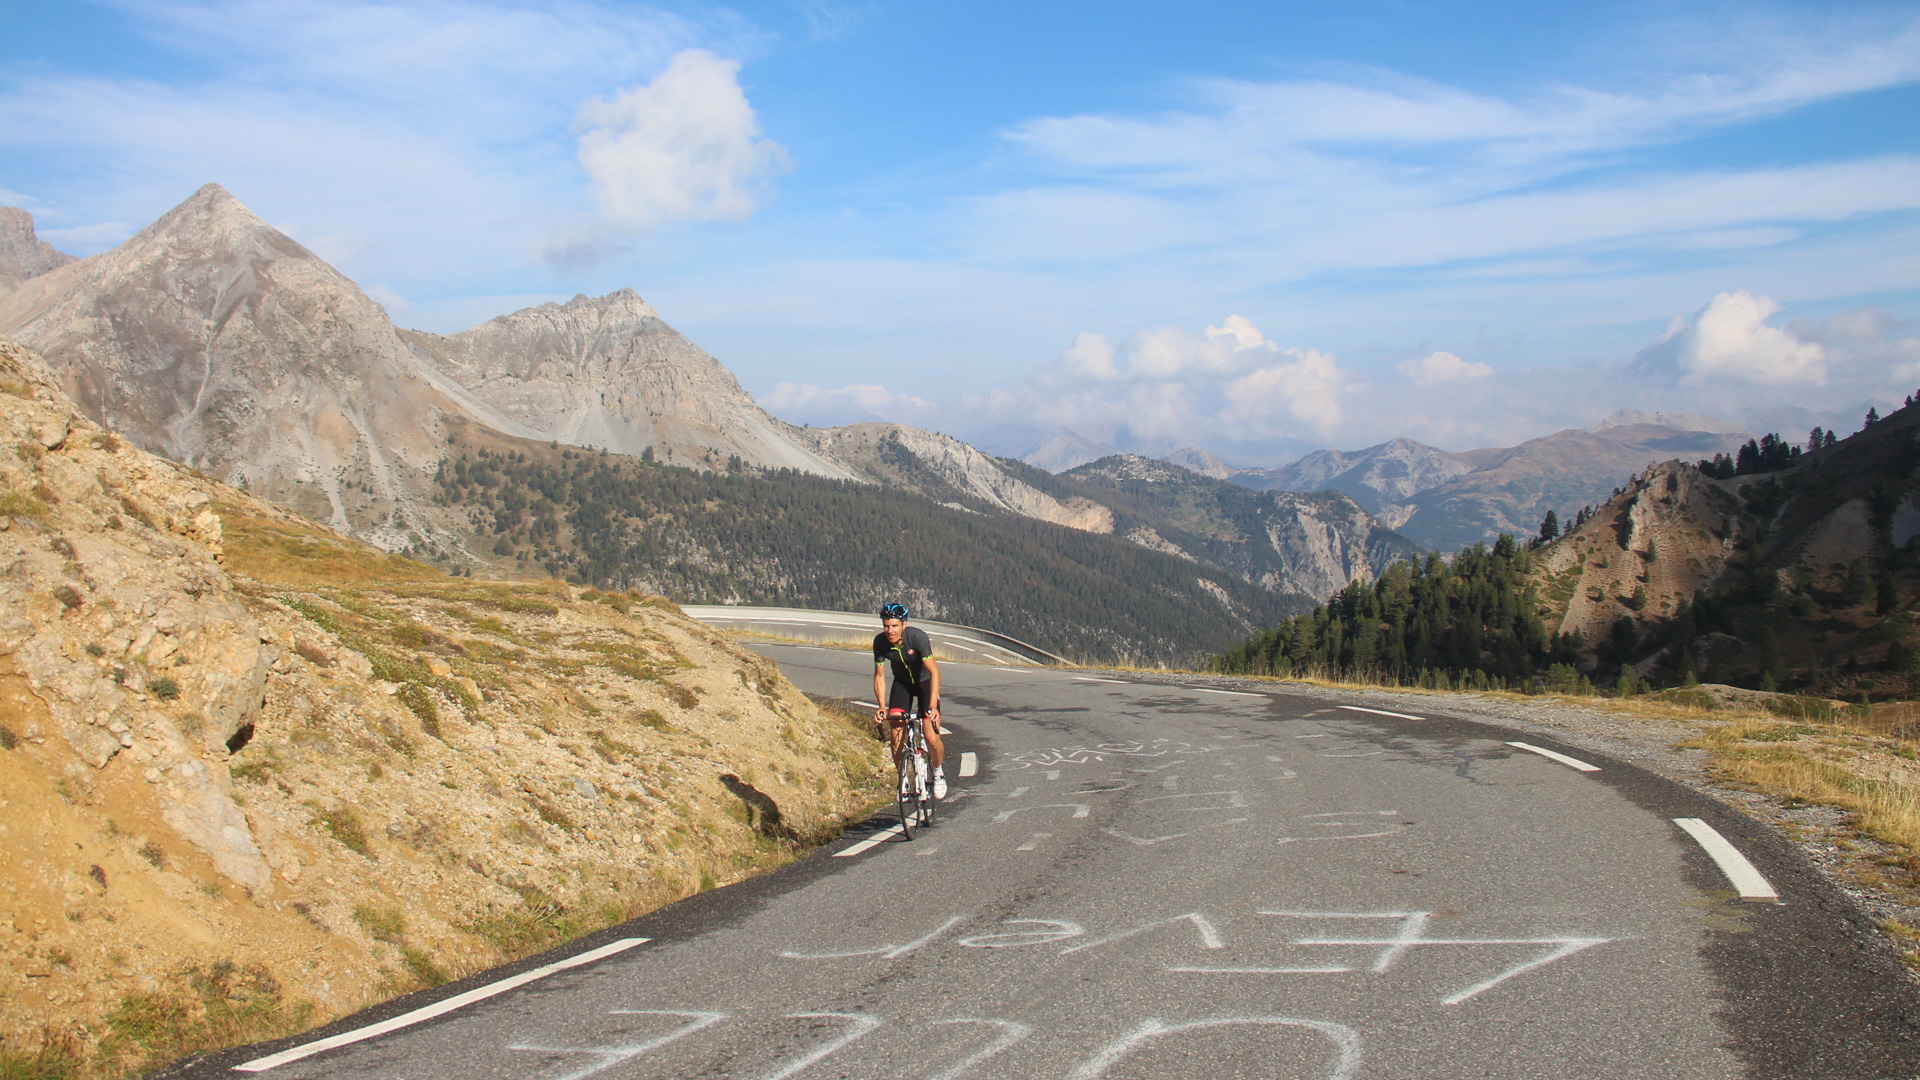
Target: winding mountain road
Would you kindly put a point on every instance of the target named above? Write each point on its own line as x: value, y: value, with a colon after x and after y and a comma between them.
x: 1140, y: 878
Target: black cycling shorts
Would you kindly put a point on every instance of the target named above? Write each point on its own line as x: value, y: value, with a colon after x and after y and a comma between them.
x: 913, y: 698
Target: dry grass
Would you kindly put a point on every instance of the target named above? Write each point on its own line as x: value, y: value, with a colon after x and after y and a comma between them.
x: 292, y: 553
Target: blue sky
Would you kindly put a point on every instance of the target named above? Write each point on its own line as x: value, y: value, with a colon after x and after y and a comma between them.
x: 1254, y: 228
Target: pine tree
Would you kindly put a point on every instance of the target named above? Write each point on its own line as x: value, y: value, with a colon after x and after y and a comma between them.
x: 1549, y: 527
x: 1873, y: 417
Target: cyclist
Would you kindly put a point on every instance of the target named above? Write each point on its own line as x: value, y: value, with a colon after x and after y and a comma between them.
x: 916, y: 679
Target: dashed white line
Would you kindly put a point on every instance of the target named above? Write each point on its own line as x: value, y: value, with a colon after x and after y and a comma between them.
x: 1033, y: 843
x: 1234, y: 693
x: 1380, y: 712
x: 969, y: 763
x: 1745, y: 878
x: 438, y: 1008
x: 1570, y: 762
x: 868, y: 704
x: 870, y: 842
x: 1089, y: 678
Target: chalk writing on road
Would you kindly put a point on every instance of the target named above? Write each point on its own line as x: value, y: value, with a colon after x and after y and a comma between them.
x: 1335, y: 1056
x: 1270, y: 955
x: 1055, y: 756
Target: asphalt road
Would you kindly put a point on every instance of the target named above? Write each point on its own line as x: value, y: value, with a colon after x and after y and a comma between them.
x: 1152, y: 880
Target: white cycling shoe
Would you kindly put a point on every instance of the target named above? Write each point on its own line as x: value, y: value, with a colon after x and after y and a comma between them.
x: 939, y: 784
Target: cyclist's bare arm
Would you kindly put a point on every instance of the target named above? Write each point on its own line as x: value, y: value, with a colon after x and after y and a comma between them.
x: 879, y: 691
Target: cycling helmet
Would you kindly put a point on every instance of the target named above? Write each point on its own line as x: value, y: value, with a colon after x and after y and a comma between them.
x: 894, y: 611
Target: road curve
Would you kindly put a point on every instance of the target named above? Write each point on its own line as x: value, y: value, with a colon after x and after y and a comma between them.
x: 1143, y: 879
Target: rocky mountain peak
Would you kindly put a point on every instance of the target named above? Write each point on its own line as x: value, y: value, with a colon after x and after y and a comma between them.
x: 23, y: 254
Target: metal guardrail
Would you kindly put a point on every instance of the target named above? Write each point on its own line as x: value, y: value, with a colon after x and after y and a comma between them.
x: 952, y: 640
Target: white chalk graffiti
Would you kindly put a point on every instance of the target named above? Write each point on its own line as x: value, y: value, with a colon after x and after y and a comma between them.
x: 1348, y: 825
x: 1200, y: 932
x: 1055, y: 756
x: 1005, y: 1034
x: 609, y: 1056
x: 1410, y: 935
x: 1346, y: 1042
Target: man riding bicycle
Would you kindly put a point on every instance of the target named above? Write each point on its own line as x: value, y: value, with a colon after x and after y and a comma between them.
x: 916, y: 681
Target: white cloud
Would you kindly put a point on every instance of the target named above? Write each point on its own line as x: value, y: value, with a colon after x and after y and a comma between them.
x: 684, y: 147
x: 845, y: 404
x: 1442, y: 367
x: 1169, y: 387
x: 1729, y: 340
x: 87, y: 239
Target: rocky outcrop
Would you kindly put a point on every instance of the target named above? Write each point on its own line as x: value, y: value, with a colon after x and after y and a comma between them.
x: 23, y: 254
x: 1644, y: 552
x: 232, y: 741
x: 609, y: 372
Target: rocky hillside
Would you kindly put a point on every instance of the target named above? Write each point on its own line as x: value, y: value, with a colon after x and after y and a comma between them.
x: 1444, y: 500
x: 1799, y: 579
x: 1308, y: 546
x: 256, y: 776
x: 23, y: 254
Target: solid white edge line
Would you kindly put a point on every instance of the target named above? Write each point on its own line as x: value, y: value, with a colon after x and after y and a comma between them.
x: 1379, y: 712
x: 1745, y: 878
x: 969, y: 763
x: 1089, y: 678
x: 1235, y: 693
x: 1570, y: 762
x: 877, y: 838
x: 438, y: 1008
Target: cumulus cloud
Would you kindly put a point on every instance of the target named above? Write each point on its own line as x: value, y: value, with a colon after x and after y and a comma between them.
x: 1442, y: 367
x: 1169, y: 386
x: 684, y: 147
x: 1729, y: 341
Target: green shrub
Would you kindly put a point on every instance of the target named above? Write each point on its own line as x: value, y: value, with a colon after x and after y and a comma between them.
x: 164, y: 687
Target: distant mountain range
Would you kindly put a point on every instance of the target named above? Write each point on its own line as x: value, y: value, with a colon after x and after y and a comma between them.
x: 1445, y: 500
x: 216, y: 340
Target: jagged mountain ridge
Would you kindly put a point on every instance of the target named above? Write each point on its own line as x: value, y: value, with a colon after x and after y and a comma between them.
x: 1445, y: 500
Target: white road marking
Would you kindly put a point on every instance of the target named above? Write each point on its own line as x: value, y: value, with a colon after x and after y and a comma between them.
x: 1010, y: 1032
x: 1572, y: 763
x: 810, y: 648
x: 1053, y: 774
x: 1089, y: 678
x: 1234, y: 693
x: 1033, y: 843
x: 871, y: 841
x: 946, y: 731
x: 951, y: 641
x: 1380, y: 712
x: 438, y: 1008
x: 1346, y: 1042
x: 1080, y: 810
x: 1745, y: 878
x: 868, y: 704
x: 969, y: 764
x: 1017, y: 792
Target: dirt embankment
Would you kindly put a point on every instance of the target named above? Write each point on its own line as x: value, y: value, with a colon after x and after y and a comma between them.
x: 254, y: 776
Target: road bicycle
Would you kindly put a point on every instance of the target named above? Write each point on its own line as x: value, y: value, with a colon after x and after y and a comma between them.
x: 912, y: 796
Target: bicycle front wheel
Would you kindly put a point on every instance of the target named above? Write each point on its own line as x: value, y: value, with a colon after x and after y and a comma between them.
x: 906, y: 802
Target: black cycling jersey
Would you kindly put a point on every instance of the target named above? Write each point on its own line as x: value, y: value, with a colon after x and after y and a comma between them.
x: 909, y: 658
